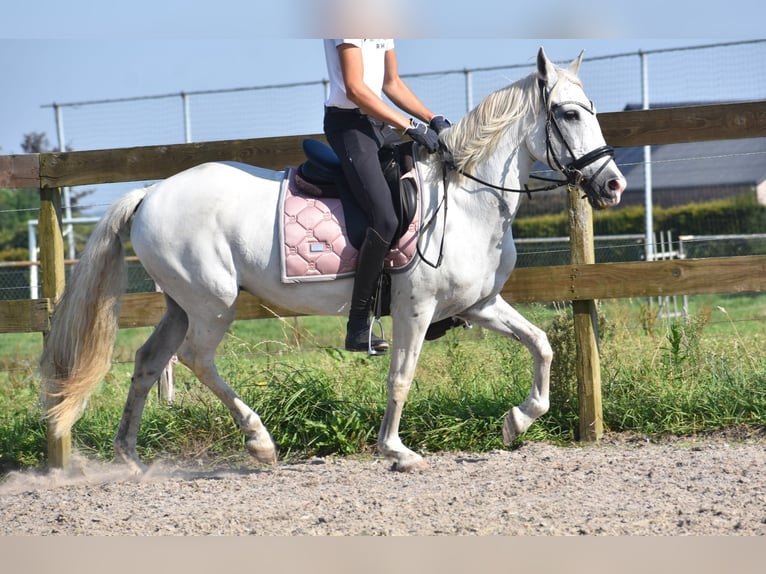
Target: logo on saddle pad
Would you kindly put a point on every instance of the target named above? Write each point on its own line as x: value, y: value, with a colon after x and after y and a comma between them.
x: 314, y: 237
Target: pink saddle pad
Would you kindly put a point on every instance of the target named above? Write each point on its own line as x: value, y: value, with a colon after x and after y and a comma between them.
x: 315, y: 245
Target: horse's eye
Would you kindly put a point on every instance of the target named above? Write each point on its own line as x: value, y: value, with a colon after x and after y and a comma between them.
x: 571, y: 115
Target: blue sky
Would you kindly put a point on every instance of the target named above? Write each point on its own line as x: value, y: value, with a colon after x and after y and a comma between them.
x: 40, y: 72
x: 52, y: 51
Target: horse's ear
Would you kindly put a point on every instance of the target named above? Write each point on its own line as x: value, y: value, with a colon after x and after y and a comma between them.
x: 545, y: 68
x: 574, y: 67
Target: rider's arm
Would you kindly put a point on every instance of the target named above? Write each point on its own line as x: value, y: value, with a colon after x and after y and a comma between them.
x: 369, y: 102
x: 400, y: 93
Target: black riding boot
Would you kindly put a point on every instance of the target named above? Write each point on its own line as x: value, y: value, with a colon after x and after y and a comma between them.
x: 369, y: 265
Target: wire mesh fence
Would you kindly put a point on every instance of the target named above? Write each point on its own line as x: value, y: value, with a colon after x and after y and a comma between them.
x: 20, y: 280
x: 721, y: 72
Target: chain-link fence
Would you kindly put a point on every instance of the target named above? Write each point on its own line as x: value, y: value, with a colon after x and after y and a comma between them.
x: 712, y: 73
x: 722, y: 72
x: 21, y: 280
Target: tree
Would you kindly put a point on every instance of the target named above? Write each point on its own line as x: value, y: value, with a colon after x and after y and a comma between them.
x: 36, y: 142
x: 18, y: 206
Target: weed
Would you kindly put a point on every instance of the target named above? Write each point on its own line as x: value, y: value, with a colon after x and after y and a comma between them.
x: 697, y: 375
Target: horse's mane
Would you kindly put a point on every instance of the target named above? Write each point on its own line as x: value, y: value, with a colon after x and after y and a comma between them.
x: 477, y: 134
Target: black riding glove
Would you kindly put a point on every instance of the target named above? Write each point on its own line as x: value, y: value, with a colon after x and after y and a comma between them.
x: 439, y: 123
x: 424, y: 135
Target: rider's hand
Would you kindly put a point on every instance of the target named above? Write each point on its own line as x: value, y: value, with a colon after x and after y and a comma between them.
x: 424, y: 135
x: 439, y: 123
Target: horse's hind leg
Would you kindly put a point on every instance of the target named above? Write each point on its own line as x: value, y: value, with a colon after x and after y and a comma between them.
x: 499, y: 316
x: 150, y: 360
x: 197, y: 353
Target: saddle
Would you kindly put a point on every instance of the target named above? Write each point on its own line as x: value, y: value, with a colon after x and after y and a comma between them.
x: 321, y: 225
x: 321, y: 176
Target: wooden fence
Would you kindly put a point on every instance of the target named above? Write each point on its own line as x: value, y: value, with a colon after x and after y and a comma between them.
x: 582, y: 282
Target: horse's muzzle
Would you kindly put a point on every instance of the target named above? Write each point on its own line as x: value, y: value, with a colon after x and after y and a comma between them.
x: 607, y: 194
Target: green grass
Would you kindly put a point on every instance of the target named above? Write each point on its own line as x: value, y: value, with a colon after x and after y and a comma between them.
x: 658, y: 377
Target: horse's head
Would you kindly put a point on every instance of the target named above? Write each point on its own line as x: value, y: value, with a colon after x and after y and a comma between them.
x: 569, y: 138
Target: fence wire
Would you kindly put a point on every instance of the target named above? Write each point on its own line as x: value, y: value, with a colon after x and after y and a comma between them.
x: 17, y: 279
x: 721, y: 72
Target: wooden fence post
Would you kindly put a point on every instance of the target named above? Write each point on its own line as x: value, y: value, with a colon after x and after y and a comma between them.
x: 53, y: 279
x: 585, y: 323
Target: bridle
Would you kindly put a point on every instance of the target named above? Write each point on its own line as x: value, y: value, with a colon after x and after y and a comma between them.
x: 572, y: 171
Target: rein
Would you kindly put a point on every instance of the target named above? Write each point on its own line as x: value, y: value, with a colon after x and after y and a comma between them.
x: 556, y: 183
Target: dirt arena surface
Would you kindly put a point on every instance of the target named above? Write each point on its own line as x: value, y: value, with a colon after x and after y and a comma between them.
x: 620, y: 486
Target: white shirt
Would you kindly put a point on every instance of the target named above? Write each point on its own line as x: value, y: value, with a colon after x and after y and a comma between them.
x: 373, y: 57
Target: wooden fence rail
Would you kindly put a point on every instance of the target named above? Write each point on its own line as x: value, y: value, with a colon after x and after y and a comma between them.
x: 744, y: 274
x: 583, y: 281
x: 621, y: 129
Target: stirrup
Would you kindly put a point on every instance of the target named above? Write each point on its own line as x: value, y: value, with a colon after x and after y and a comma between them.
x: 370, y: 349
x: 364, y: 340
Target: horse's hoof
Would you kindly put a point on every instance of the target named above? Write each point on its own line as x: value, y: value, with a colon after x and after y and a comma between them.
x: 263, y: 454
x: 410, y: 466
x: 511, y: 426
x: 130, y: 458
x: 136, y: 469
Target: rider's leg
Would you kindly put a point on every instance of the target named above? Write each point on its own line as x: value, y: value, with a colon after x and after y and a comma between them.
x: 356, y: 140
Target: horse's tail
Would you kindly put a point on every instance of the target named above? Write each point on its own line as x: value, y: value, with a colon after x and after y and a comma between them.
x: 78, y: 349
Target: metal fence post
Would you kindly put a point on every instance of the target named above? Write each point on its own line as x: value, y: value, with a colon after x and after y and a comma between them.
x: 66, y: 191
x: 468, y: 90
x: 648, y: 200
x: 187, y: 117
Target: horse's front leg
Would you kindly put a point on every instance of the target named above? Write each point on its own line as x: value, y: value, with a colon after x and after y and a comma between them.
x: 407, y: 343
x: 499, y: 316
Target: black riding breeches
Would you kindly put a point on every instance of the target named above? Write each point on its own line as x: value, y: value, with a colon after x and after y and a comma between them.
x: 356, y: 139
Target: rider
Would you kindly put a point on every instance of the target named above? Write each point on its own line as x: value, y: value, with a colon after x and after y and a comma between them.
x: 357, y: 123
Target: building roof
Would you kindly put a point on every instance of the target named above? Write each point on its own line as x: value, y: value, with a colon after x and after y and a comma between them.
x: 722, y: 163
x: 740, y: 162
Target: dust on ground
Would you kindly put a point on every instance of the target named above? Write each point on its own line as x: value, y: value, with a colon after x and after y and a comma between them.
x: 623, y: 485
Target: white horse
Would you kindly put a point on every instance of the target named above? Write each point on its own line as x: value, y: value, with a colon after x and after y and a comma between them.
x: 222, y: 238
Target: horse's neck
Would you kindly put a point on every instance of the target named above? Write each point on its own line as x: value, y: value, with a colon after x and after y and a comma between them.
x: 509, y: 167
